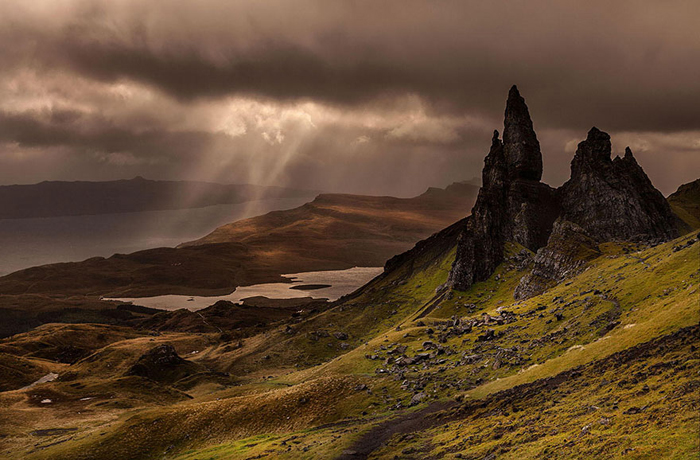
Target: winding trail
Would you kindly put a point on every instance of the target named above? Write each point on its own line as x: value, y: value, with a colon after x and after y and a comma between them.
x: 405, y: 423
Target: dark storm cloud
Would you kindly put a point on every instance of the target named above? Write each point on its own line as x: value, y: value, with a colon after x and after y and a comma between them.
x: 72, y: 129
x: 622, y: 65
x: 340, y: 94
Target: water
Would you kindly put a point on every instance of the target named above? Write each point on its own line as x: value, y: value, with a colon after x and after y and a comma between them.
x: 342, y: 282
x: 29, y: 242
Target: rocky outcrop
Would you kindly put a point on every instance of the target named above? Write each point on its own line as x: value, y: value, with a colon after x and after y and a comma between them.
x: 163, y: 364
x: 614, y: 200
x: 604, y: 200
x: 513, y: 205
x: 567, y: 253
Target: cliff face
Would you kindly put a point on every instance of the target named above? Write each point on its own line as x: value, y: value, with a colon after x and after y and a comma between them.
x: 513, y: 205
x: 604, y: 200
x: 568, y: 250
x: 614, y: 199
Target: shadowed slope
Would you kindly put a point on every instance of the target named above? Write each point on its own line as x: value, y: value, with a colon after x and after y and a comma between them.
x: 685, y: 202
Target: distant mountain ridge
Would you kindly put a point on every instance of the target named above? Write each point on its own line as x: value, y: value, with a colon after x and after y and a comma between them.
x: 378, y: 226
x: 57, y: 198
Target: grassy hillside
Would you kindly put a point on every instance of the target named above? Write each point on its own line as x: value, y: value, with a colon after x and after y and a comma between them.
x: 600, y: 365
x: 685, y: 202
x: 341, y: 231
x: 376, y: 227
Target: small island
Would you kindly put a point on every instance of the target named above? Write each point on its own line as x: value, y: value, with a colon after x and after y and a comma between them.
x: 310, y: 287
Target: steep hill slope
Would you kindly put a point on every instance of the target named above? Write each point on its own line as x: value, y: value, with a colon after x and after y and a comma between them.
x: 685, y: 202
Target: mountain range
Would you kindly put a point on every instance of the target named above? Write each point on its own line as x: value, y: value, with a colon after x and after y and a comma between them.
x: 80, y: 198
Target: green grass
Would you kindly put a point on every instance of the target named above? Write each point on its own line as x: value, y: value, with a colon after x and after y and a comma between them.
x: 624, y: 298
x: 591, y: 415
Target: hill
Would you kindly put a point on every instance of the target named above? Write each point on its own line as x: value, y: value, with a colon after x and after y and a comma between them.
x: 685, y: 202
x: 332, y: 232
x: 364, y: 230
x: 53, y: 199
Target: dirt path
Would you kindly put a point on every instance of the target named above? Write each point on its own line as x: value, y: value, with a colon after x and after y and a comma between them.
x: 408, y: 422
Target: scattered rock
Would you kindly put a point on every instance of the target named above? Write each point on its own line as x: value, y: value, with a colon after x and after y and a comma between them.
x: 490, y: 334
x: 417, y: 398
x: 635, y: 410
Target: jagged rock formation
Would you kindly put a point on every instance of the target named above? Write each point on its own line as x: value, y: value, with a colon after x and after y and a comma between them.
x: 513, y: 205
x: 604, y: 200
x: 614, y: 199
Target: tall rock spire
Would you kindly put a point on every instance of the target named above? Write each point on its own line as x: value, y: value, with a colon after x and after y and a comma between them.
x: 604, y: 200
x: 520, y: 144
x: 513, y: 205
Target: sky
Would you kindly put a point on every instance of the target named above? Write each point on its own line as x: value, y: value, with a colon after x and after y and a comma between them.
x: 348, y: 96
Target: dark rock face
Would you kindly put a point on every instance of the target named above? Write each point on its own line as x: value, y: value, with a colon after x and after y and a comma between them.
x: 604, y: 200
x: 614, y: 199
x: 532, y: 208
x: 566, y: 254
x: 521, y: 147
x: 513, y: 205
